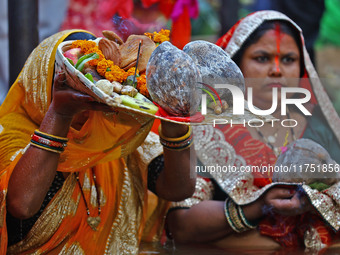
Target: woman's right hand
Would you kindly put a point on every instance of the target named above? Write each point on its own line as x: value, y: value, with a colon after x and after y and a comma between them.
x: 67, y: 101
x: 279, y: 200
x: 286, y: 201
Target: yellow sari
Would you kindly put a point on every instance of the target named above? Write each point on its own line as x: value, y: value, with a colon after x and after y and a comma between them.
x: 111, y: 145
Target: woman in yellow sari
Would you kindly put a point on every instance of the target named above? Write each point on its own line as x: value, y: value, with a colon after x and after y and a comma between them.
x: 92, y: 197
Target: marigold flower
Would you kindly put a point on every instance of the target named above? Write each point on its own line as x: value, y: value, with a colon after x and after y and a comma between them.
x: 131, y: 71
x: 116, y: 74
x: 103, y: 66
x: 150, y: 35
x: 165, y: 32
x: 159, y: 37
x: 141, y: 85
x: 84, y: 45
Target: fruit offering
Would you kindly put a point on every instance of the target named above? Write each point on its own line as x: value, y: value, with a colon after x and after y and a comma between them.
x: 117, y: 68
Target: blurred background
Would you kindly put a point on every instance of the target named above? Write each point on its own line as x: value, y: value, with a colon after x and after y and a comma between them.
x: 188, y: 20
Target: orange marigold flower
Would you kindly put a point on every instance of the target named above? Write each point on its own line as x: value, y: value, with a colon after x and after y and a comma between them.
x: 161, y: 36
x: 84, y: 45
x: 165, y: 32
x: 131, y: 71
x: 150, y: 35
x: 116, y: 74
x: 141, y: 85
x: 103, y: 66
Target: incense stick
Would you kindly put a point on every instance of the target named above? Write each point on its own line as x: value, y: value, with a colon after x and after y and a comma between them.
x: 134, y: 76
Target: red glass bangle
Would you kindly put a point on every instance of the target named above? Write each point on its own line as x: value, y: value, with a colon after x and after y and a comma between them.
x: 48, y: 142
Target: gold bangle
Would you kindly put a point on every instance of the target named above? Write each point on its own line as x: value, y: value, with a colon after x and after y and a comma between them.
x: 177, y: 147
x: 226, y: 213
x: 244, y: 219
x: 177, y: 139
x: 233, y: 217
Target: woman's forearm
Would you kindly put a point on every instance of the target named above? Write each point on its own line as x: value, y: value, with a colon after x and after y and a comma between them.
x: 204, y: 222
x: 35, y: 171
x: 177, y: 180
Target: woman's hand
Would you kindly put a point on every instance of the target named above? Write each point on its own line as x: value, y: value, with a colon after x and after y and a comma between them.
x: 285, y: 201
x: 67, y: 102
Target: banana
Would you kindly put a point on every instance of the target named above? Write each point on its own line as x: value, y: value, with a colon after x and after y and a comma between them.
x: 140, y: 96
x: 139, y: 102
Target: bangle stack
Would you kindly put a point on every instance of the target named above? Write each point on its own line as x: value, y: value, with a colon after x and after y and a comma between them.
x: 48, y: 142
x: 236, y: 218
x: 176, y: 144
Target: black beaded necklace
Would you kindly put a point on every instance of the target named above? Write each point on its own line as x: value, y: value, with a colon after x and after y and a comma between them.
x: 93, y: 222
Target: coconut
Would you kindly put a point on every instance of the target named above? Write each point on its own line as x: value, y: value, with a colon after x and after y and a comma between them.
x: 172, y: 78
x: 216, y: 67
x: 306, y: 161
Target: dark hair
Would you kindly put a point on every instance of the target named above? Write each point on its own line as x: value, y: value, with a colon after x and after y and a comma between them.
x: 285, y: 27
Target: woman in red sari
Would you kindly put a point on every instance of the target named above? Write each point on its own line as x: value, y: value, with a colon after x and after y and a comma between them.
x: 269, y: 49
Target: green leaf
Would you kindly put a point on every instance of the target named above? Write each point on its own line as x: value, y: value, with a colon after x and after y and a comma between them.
x: 70, y: 60
x: 90, y: 77
x: 84, y: 59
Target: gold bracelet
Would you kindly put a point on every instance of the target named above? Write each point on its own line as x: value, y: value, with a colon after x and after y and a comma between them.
x: 233, y: 217
x: 177, y: 139
x: 244, y: 219
x: 177, y: 147
x: 226, y: 213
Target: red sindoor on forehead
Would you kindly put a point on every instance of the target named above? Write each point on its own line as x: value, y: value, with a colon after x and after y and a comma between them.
x: 278, y: 41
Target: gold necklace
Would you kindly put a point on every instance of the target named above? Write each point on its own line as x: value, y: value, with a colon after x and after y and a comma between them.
x: 93, y: 222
